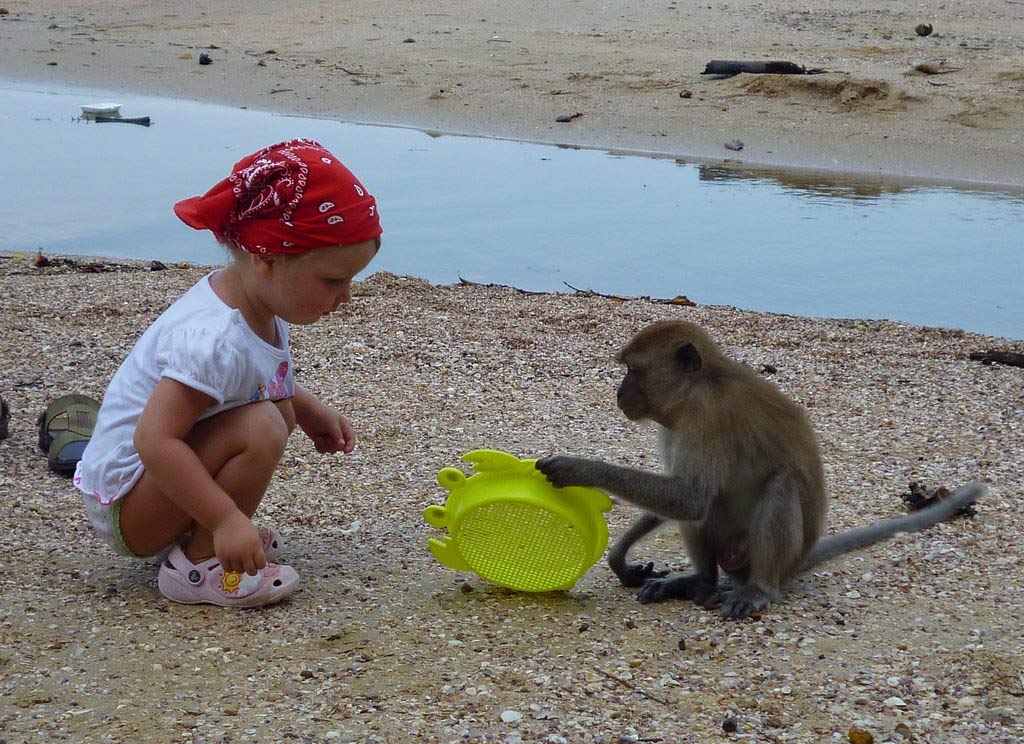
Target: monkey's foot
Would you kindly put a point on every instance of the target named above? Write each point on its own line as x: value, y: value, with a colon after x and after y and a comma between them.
x: 692, y: 586
x: 635, y: 574
x: 745, y: 601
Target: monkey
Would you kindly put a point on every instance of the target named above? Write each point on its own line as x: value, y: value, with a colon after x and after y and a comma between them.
x: 743, y: 476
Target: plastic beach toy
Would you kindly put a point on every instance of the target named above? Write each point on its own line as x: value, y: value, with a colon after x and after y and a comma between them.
x: 509, y: 525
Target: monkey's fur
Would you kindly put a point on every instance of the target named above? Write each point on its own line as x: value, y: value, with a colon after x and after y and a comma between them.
x: 743, y: 475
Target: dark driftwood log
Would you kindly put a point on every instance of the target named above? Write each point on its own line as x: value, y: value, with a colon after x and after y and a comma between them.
x: 1011, y: 358
x: 142, y: 121
x: 773, y: 67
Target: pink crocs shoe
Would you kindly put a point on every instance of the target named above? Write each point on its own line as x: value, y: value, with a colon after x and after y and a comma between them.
x: 273, y: 543
x: 180, y: 580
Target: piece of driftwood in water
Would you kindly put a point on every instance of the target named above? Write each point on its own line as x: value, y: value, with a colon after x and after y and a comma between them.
x: 140, y: 120
x: 730, y: 67
x: 1011, y: 358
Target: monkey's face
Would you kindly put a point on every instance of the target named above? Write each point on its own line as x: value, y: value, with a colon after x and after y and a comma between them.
x: 632, y: 396
x: 662, y: 365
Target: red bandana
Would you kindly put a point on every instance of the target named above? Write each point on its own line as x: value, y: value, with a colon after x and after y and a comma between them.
x: 287, y: 198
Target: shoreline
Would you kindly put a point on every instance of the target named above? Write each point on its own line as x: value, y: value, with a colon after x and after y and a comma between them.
x: 69, y: 263
x: 919, y: 168
x: 850, y: 174
x: 434, y: 73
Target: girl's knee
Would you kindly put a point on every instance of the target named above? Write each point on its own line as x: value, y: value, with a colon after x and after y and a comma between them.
x: 259, y: 429
x: 270, y: 427
x: 284, y: 407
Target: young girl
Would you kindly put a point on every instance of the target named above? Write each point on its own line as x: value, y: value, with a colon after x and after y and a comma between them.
x: 196, y: 419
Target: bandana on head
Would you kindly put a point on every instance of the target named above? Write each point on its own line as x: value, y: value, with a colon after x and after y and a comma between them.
x: 290, y: 197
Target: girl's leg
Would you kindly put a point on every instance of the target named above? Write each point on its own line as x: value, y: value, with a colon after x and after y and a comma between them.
x: 240, y: 448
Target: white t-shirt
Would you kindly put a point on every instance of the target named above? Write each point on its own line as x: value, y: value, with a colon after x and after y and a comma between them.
x: 200, y: 342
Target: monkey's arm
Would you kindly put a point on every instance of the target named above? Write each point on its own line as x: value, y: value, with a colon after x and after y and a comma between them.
x: 668, y: 496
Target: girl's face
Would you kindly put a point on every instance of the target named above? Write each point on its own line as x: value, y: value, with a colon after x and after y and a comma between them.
x: 303, y: 290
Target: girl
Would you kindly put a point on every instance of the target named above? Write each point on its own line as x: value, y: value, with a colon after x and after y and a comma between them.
x: 196, y: 419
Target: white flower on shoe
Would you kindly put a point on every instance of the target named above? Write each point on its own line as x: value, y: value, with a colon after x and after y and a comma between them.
x: 242, y: 584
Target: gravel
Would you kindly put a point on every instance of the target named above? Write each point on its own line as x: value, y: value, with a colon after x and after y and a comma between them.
x: 918, y: 639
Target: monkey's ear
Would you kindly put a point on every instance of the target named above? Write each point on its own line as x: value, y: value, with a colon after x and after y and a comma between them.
x: 689, y: 358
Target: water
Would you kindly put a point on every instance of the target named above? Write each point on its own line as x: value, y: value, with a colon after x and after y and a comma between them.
x: 532, y: 216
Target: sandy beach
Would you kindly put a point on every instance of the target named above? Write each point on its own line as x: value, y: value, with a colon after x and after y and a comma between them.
x: 631, y: 71
x: 382, y: 644
x: 915, y: 640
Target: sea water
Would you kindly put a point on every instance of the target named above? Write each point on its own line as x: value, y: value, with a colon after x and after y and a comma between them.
x: 538, y: 217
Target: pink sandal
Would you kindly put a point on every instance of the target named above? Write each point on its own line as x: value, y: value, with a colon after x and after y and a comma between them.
x: 182, y: 581
x: 273, y: 543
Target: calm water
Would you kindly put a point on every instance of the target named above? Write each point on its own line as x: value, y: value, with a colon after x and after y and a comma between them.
x: 532, y: 216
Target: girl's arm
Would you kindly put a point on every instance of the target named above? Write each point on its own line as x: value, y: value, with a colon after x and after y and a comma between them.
x: 166, y: 421
x: 330, y: 431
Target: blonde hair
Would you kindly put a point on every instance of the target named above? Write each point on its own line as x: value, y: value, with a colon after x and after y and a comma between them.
x: 237, y: 253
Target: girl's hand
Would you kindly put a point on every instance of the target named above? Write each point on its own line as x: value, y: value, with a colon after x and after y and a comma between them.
x: 330, y: 431
x: 238, y: 546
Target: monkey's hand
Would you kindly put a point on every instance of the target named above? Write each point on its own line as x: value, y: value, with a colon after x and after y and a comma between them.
x: 565, y: 471
x: 636, y: 574
x: 667, y: 495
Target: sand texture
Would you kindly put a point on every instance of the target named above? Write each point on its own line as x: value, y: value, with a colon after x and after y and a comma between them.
x: 916, y: 640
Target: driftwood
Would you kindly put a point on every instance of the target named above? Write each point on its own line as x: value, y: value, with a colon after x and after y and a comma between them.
x: 140, y: 120
x: 933, y: 68
x: 469, y: 283
x: 681, y: 300
x: 728, y: 68
x: 1011, y: 358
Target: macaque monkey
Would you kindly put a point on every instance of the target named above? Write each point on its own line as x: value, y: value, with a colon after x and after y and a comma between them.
x: 743, y: 476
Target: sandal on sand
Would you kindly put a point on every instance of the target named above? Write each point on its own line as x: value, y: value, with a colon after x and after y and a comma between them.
x: 182, y: 581
x: 273, y: 543
x: 64, y: 430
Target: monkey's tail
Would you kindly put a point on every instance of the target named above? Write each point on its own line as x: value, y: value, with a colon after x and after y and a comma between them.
x: 835, y: 545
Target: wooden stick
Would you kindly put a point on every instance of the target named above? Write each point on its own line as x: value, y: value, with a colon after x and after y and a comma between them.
x: 1011, y: 358
x: 730, y: 67
x: 468, y: 283
x: 681, y: 300
x: 626, y: 683
x: 140, y: 120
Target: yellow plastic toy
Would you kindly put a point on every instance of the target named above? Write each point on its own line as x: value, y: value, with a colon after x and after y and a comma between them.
x: 509, y: 525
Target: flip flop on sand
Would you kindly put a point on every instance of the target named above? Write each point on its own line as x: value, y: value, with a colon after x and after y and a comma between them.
x: 5, y: 419
x: 182, y: 581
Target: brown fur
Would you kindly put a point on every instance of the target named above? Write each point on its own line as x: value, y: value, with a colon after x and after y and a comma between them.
x: 743, y: 474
